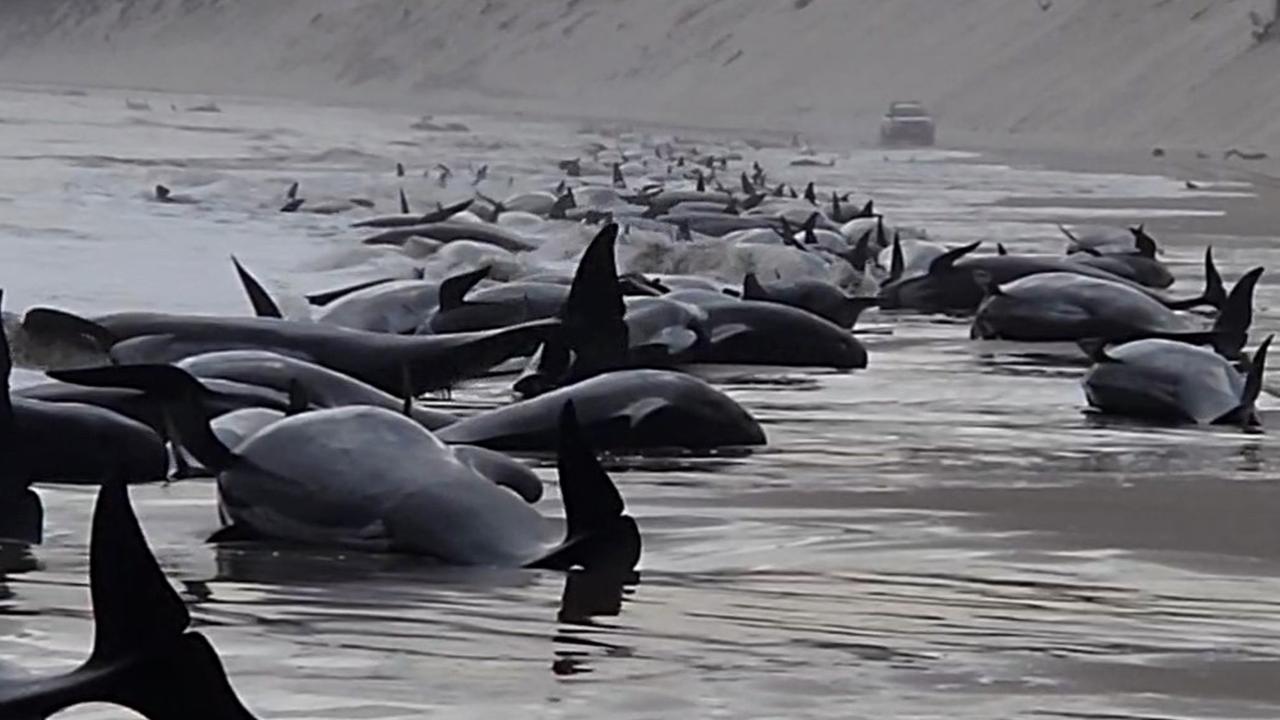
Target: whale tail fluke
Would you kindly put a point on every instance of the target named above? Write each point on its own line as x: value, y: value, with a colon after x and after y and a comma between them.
x: 1246, y: 413
x: 181, y: 395
x: 263, y: 304
x: 599, y: 536
x: 1215, y: 293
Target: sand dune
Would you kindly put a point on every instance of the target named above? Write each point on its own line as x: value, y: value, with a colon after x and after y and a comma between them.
x: 1110, y: 72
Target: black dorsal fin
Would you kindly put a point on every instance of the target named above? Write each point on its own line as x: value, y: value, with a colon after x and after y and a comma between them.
x: 943, y: 262
x: 263, y: 304
x: 752, y: 289
x: 134, y: 608
x: 897, y: 262
x: 1001, y: 249
x: 619, y: 181
x: 292, y: 192
x: 1145, y: 243
x: 868, y: 210
x: 444, y: 213
x: 861, y: 254
x: 747, y: 188
x: 882, y: 240
x: 404, y: 202
x: 811, y: 194
x: 702, y: 182
x: 453, y: 291
x: 594, y: 328
x: 151, y: 663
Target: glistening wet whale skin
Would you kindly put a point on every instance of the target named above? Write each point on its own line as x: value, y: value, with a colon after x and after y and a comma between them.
x: 750, y: 332
x: 626, y: 409
x: 391, y: 363
x: 144, y: 656
x: 1064, y: 306
x: 373, y: 479
x: 1168, y: 381
x: 951, y: 284
x: 820, y: 298
x: 322, y: 387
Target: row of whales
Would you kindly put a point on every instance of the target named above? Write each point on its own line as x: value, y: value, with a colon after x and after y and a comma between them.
x: 313, y: 435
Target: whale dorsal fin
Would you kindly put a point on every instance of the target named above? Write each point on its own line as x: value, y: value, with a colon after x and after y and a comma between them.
x: 263, y: 304
x: 593, y: 313
x: 752, y: 289
x: 861, y: 253
x: 133, y: 605
x: 943, y: 262
x: 1145, y: 243
x: 140, y: 621
x: 404, y: 202
x: 453, y: 291
x: 444, y: 213
x: 897, y: 262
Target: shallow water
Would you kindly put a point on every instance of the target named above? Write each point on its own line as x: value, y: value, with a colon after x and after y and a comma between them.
x: 943, y: 534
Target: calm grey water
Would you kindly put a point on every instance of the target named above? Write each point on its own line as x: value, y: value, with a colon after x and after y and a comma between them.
x: 942, y: 535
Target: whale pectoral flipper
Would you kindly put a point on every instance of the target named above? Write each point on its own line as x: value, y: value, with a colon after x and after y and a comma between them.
x: 637, y: 411
x: 234, y: 533
x: 728, y: 331
x: 599, y: 535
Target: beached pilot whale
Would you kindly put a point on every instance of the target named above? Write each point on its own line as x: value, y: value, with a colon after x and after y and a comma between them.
x: 392, y: 363
x: 818, y: 297
x: 372, y: 479
x: 1170, y: 381
x: 1066, y: 306
x: 625, y: 409
x: 951, y: 282
x: 76, y: 442
x: 144, y: 657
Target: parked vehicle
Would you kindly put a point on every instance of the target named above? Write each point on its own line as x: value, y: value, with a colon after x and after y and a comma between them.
x: 907, y: 123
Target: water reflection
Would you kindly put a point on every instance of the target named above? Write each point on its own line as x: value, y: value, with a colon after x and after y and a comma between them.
x: 587, y: 596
